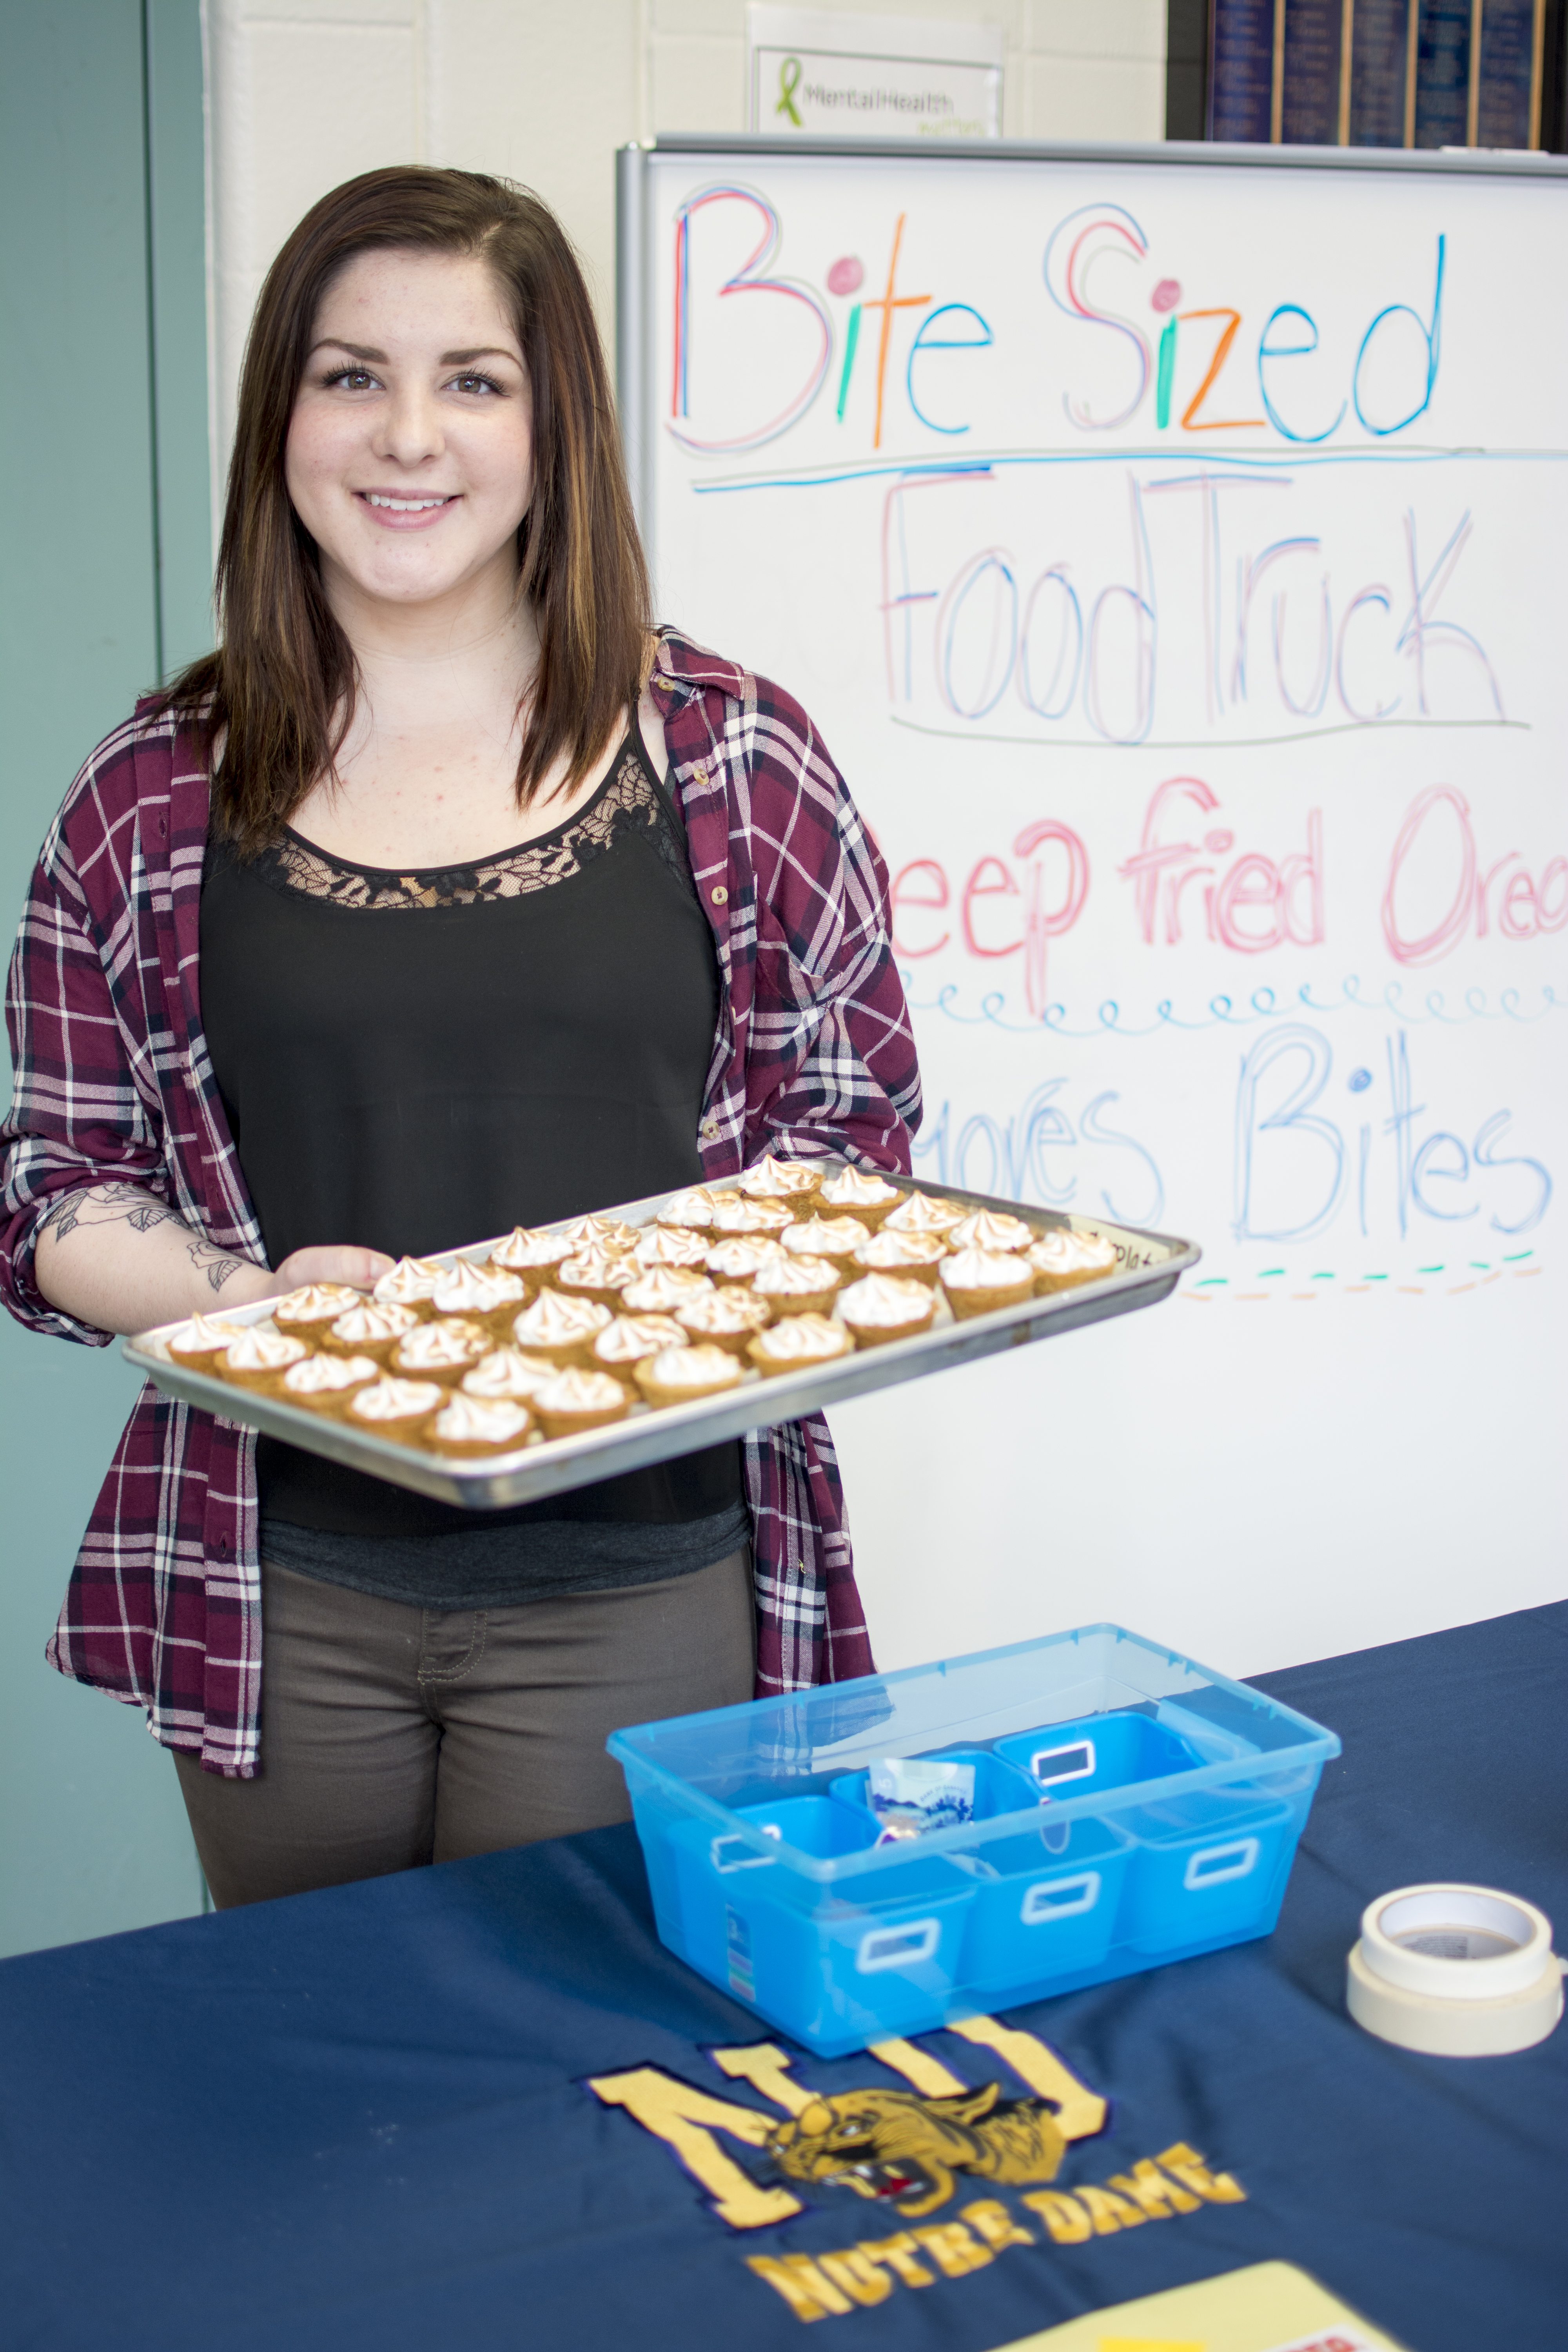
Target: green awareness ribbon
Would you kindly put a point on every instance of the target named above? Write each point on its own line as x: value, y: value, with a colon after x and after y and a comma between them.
x: 789, y: 83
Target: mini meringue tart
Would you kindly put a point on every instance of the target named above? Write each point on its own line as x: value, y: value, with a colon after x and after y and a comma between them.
x: 537, y: 1256
x: 562, y: 1329
x: 797, y: 1343
x: 797, y: 1286
x: 734, y: 1213
x: 834, y: 1238
x: 691, y: 1210
x: 991, y: 1229
x: 671, y: 1245
x: 858, y: 1192
x: 442, y: 1351
x: 793, y: 1182
x: 880, y: 1307
x: 916, y: 1255
x: 369, y: 1330
x: 577, y: 1399
x: 491, y: 1295
x: 507, y: 1376
x: 306, y: 1313
x: 469, y: 1428
x: 660, y: 1290
x: 199, y: 1343
x: 978, y: 1281
x: 681, y: 1375
x: 730, y: 1319
x: 630, y: 1337
x: 740, y: 1258
x: 396, y: 1408
x: 256, y: 1358
x: 1062, y: 1257
x: 594, y: 1274
x: 410, y: 1283
x: 324, y: 1383
x: 599, y: 1233
x: 924, y: 1212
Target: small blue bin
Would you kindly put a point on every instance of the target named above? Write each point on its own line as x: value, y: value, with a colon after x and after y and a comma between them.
x: 1107, y: 1751
x: 1130, y: 1806
x: 1211, y: 1869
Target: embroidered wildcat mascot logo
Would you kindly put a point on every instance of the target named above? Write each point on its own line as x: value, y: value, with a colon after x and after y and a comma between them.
x: 890, y: 2144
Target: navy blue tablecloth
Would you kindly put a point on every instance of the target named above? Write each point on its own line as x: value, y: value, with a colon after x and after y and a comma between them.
x: 364, y: 2117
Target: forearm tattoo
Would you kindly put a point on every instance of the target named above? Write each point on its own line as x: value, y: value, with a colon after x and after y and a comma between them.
x: 127, y: 1205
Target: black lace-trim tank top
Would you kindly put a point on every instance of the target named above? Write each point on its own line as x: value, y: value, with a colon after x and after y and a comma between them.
x: 412, y: 1061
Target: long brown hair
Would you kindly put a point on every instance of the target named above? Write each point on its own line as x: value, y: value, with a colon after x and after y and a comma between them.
x: 279, y: 694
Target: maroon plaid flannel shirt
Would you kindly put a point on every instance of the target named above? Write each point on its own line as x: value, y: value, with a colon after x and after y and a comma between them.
x: 113, y: 1082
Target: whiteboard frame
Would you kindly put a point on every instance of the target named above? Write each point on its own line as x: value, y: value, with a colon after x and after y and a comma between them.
x: 635, y: 266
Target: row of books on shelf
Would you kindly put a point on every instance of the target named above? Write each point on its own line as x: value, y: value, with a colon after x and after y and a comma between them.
x: 1378, y: 73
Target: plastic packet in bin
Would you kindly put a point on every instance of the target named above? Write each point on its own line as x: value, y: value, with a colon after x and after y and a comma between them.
x: 911, y: 1796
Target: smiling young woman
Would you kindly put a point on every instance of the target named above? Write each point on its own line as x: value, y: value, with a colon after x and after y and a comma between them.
x: 447, y: 895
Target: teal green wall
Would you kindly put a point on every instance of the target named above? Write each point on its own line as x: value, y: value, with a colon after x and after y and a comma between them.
x: 105, y: 558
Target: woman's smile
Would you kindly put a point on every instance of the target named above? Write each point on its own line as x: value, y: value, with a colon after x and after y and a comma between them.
x: 401, y: 511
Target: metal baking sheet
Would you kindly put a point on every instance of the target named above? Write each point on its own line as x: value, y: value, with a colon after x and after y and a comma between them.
x: 1150, y: 1265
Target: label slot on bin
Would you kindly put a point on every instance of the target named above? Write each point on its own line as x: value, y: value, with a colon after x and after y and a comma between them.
x: 1216, y: 1863
x: 898, y: 1947
x: 1060, y: 1898
x: 1050, y: 1766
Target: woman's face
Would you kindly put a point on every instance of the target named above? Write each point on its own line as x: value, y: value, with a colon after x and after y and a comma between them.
x: 410, y: 452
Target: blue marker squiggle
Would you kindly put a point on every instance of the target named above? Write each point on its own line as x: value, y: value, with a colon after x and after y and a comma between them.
x: 1263, y: 1004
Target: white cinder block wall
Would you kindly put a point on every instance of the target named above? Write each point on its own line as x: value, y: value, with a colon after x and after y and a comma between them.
x: 304, y: 93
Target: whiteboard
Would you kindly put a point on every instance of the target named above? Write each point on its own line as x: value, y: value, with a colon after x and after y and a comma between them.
x: 1169, y: 545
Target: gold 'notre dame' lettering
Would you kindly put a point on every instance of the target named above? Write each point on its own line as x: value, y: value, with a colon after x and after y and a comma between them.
x: 1186, y: 2165
x: 1149, y: 2189
x: 1109, y: 2212
x: 1063, y: 2216
x: 1080, y: 2112
x: 861, y: 2278
x: 686, y: 2120
x: 918, y: 2068
x: 804, y: 2284
x: 954, y: 2249
x: 991, y: 2218
x: 766, y: 2067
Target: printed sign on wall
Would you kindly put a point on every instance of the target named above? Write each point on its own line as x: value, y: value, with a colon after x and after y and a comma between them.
x: 816, y: 71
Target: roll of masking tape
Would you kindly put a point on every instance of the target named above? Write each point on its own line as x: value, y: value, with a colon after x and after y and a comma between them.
x: 1461, y: 1971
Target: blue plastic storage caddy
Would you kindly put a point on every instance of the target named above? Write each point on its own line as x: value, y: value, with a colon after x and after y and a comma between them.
x: 1131, y: 1807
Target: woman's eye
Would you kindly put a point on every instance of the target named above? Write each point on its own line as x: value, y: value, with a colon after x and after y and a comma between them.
x: 476, y: 384
x: 352, y: 379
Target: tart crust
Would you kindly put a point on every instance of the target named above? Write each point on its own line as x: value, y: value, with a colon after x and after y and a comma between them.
x: 798, y: 1285
x: 797, y: 1343
x: 979, y: 1281
x: 860, y: 1193
x: 682, y: 1375
x: 1062, y: 1258
x: 370, y: 1330
x: 468, y: 1429
x: 441, y: 1350
x: 916, y: 1257
x: 881, y: 1308
x: 325, y: 1383
x: 577, y: 1401
x: 258, y: 1359
x: 730, y: 1320
x: 400, y: 1410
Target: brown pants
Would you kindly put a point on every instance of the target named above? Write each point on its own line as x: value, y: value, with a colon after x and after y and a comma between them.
x: 393, y: 1737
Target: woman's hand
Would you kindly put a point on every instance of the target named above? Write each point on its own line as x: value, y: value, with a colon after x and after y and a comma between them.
x: 118, y: 1257
x: 338, y: 1261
